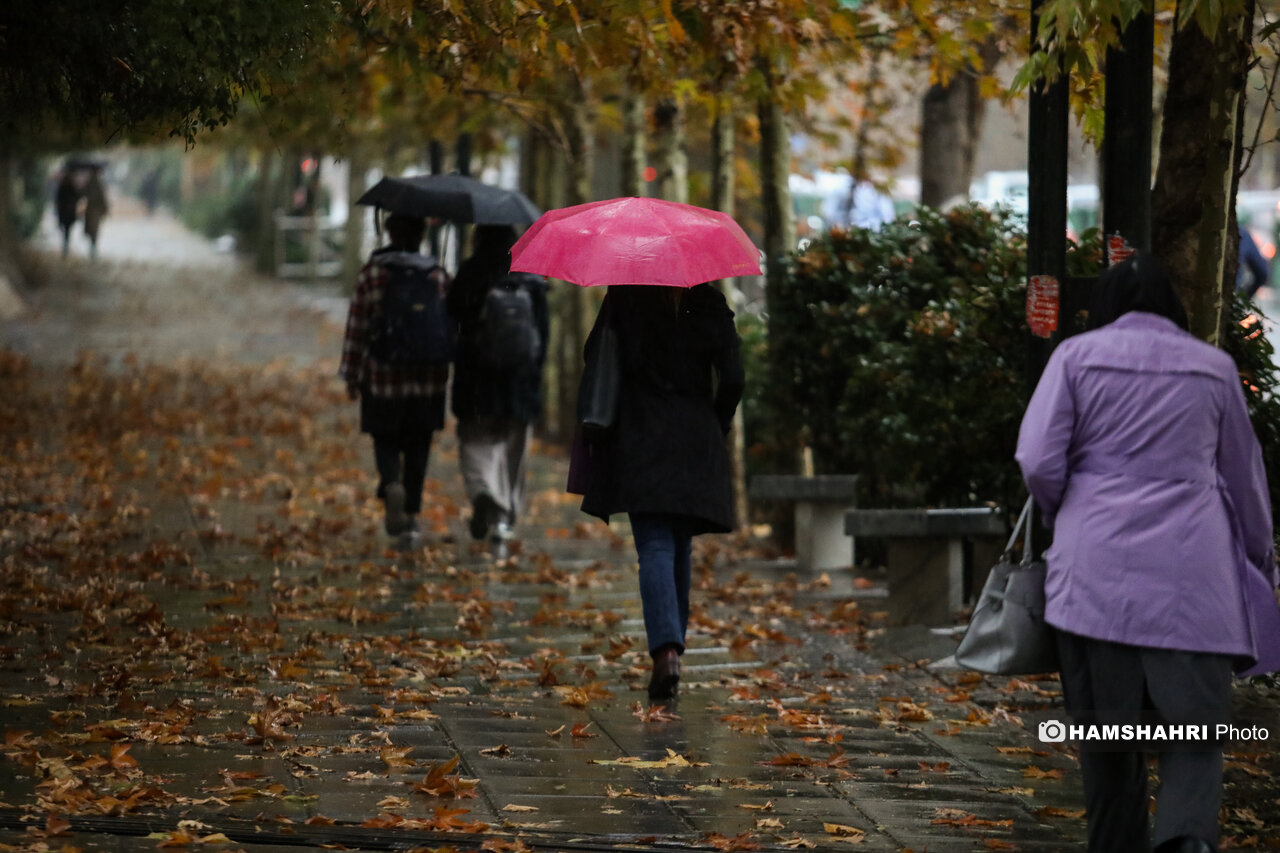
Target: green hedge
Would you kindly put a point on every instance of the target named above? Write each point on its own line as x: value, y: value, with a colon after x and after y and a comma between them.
x: 900, y: 355
x: 1255, y: 358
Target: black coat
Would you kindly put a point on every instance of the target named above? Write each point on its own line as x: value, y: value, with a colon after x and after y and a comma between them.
x: 682, y: 379
x: 480, y: 392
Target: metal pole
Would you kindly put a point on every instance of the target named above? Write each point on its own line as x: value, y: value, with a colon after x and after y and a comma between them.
x: 1126, y: 144
x: 1046, y: 230
x: 1046, y: 218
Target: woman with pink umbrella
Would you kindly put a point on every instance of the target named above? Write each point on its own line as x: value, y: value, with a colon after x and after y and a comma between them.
x: 663, y: 460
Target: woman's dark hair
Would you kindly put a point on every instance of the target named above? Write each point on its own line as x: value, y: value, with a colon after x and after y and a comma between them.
x: 494, y: 240
x: 1137, y: 284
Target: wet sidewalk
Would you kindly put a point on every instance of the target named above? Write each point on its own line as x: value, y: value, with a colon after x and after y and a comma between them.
x: 207, y: 640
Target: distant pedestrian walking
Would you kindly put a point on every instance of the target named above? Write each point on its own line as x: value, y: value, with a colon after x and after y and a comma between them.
x: 664, y: 461
x: 497, y: 383
x: 1137, y: 447
x: 1253, y: 272
x: 395, y: 359
x: 95, y: 208
x: 66, y: 203
x: 149, y: 190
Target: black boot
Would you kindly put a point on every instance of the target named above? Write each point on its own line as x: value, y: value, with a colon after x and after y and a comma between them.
x: 666, y: 673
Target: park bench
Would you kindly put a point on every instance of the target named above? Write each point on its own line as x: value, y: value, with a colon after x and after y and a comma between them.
x: 820, y: 503
x: 936, y: 559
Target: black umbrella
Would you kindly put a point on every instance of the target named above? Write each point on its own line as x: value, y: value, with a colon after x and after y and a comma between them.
x: 80, y: 162
x: 454, y: 197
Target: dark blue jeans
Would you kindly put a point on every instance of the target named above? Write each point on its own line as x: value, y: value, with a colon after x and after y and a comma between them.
x: 664, y: 546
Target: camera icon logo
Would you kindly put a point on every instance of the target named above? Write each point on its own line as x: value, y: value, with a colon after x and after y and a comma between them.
x: 1052, y: 731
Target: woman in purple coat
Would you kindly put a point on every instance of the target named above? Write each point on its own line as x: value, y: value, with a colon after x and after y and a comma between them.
x: 1138, y: 449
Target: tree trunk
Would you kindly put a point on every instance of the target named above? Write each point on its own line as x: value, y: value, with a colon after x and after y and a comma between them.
x: 722, y: 186
x: 1193, y: 201
x: 950, y: 126
x: 633, y: 154
x: 673, y: 162
x: 11, y: 278
x: 269, y: 190
x: 353, y: 235
x: 8, y: 232
x: 722, y: 157
x: 775, y: 192
x: 579, y: 307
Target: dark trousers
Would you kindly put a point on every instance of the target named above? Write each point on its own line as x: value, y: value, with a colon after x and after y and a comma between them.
x: 402, y: 459
x: 664, y: 546
x: 1118, y: 683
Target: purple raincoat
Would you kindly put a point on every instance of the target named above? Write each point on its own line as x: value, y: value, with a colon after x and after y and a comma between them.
x: 1138, y: 449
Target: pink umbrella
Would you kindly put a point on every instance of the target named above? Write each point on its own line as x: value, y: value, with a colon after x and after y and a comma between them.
x: 635, y: 241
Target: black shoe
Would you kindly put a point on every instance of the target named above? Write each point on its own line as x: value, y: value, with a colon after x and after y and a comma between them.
x: 483, y: 512
x: 666, y: 673
x: 396, y: 520
x: 1185, y: 844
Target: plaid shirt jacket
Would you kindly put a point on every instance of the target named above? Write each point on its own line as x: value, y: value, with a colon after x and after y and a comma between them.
x: 360, y: 370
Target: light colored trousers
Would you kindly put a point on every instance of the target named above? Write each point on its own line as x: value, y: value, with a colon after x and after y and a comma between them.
x: 491, y: 456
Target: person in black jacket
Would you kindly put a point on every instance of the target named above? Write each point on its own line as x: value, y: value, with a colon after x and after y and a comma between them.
x: 497, y: 384
x: 66, y: 204
x: 401, y: 404
x: 664, y: 461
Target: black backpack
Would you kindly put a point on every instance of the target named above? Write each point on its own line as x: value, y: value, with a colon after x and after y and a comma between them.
x: 506, y: 334
x: 413, y: 327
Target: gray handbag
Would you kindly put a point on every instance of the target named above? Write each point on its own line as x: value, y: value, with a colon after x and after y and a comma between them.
x: 1007, y: 634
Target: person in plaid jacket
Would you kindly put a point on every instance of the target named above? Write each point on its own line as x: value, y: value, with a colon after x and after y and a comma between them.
x: 401, y: 406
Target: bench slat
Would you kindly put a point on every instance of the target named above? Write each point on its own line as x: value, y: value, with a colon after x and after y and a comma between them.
x: 794, y: 487
x: 966, y: 521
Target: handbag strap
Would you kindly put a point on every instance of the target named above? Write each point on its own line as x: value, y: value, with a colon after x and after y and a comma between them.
x: 1024, y: 521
